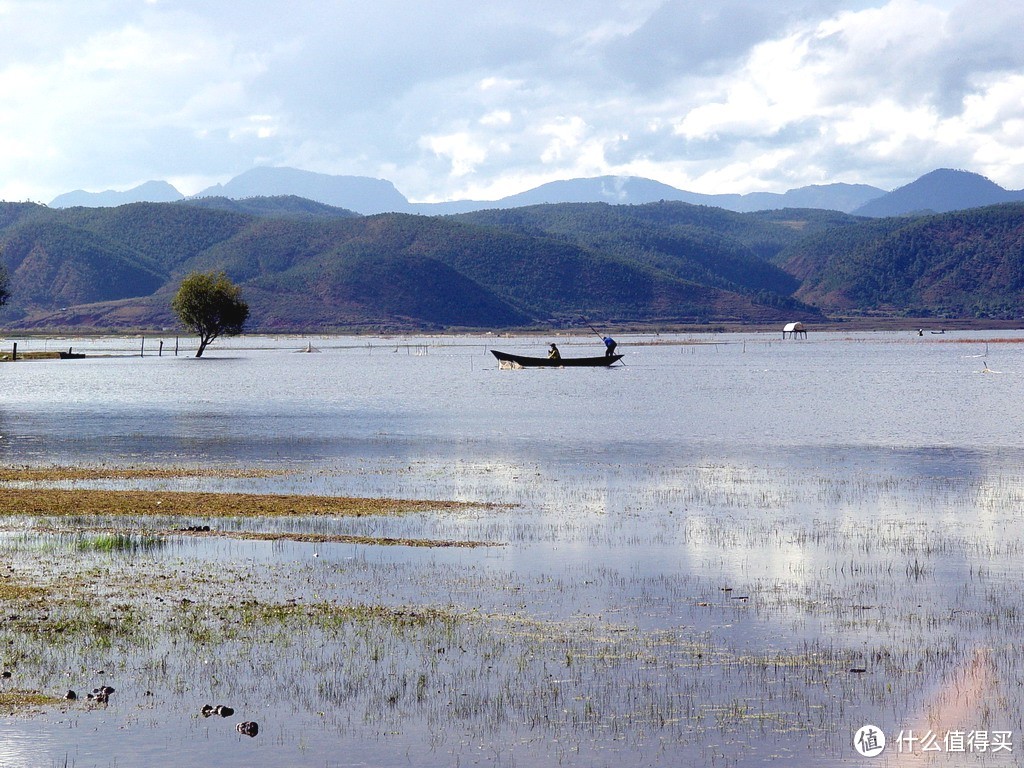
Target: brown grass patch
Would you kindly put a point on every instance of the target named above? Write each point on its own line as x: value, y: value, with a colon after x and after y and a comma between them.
x: 38, y: 355
x: 16, y: 700
x: 324, y: 538
x: 11, y: 592
x: 57, y: 474
x: 54, y: 502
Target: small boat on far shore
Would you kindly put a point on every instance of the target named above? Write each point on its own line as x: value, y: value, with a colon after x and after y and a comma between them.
x: 506, y: 360
x: 69, y: 355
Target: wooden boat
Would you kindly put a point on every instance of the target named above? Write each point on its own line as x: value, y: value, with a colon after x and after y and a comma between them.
x: 505, y: 360
x: 69, y: 355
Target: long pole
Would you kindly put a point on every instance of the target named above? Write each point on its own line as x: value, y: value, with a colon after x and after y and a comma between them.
x: 600, y: 335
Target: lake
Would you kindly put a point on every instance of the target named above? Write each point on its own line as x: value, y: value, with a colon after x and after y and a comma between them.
x: 731, y: 550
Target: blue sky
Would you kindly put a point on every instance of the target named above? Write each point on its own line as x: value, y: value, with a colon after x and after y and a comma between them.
x: 456, y: 99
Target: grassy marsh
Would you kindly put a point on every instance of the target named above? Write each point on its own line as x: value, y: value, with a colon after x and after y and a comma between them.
x: 769, y: 614
x: 60, y: 502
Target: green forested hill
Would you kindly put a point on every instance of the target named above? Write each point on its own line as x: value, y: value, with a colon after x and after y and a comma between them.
x: 697, y: 244
x: 117, y: 267
x: 281, y: 205
x: 310, y: 267
x: 961, y: 264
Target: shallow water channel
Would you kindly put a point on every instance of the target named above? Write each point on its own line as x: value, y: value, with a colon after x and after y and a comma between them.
x: 732, y: 550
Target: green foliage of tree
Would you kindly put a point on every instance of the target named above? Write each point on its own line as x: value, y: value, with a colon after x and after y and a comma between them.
x: 210, y: 305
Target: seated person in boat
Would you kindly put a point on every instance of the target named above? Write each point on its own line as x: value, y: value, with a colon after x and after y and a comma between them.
x: 553, y: 353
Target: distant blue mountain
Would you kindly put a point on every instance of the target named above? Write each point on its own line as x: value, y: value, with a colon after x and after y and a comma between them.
x: 150, y: 192
x: 634, y: 190
x: 369, y: 196
x: 940, y: 191
x: 829, y: 197
x: 356, y: 193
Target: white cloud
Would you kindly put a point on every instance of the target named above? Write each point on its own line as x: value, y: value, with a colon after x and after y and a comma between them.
x: 460, y: 149
x: 497, y: 118
x: 721, y: 97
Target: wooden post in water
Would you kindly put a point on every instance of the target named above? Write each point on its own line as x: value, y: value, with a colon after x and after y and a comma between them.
x: 175, y: 346
x: 142, y: 351
x: 14, y: 354
x: 160, y: 353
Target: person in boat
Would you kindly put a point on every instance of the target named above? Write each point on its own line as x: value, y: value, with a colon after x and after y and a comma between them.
x: 609, y: 346
x: 553, y: 353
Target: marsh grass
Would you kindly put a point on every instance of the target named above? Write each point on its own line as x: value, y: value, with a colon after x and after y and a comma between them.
x: 15, y: 701
x: 61, y: 474
x: 53, y: 502
x: 14, y: 591
x: 116, y: 542
x: 805, y: 604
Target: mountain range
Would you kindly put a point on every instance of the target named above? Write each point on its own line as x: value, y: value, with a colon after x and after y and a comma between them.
x: 936, y: 192
x: 306, y: 266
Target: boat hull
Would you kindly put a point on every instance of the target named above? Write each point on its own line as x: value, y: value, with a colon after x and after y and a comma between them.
x: 505, y: 359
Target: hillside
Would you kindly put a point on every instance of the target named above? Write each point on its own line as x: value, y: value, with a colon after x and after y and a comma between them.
x: 304, y: 266
x: 698, y: 244
x: 329, y: 270
x: 962, y: 264
x: 278, y: 205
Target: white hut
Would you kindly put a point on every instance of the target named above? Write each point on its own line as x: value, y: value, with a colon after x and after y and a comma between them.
x: 795, y: 330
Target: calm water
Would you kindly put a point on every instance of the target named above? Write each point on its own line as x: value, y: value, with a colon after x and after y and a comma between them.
x: 709, y: 538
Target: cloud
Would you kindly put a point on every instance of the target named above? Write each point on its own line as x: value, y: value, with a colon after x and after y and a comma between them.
x: 457, y: 98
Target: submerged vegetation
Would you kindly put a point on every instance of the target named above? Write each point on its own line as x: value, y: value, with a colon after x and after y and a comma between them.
x: 846, y: 574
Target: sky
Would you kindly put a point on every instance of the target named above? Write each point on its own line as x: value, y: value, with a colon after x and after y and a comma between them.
x: 478, y: 99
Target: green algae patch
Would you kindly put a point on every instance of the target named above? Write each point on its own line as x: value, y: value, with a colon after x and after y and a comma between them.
x: 55, y: 502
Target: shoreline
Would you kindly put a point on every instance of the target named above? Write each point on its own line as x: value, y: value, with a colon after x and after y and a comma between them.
x: 837, y: 323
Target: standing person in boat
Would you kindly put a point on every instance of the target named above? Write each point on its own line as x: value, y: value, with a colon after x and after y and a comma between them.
x: 609, y: 346
x: 553, y: 353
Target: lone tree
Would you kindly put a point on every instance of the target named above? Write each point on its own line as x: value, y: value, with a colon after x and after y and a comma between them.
x: 210, y: 305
